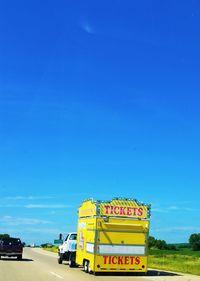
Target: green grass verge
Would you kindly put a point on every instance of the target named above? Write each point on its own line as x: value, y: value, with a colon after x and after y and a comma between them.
x: 53, y: 249
x: 182, y: 260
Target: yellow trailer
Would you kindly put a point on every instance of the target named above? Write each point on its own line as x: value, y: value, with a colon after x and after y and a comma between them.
x: 112, y: 236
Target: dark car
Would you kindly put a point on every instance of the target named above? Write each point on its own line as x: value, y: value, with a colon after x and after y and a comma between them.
x: 11, y: 247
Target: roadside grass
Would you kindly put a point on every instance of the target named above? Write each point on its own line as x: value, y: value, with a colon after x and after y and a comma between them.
x: 181, y: 260
x: 53, y: 249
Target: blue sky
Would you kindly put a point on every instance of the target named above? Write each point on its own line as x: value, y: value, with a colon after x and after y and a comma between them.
x: 99, y: 99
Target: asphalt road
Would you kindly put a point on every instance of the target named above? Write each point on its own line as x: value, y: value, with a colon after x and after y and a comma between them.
x: 39, y: 265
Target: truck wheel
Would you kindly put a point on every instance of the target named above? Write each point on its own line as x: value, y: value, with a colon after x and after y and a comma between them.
x: 86, y: 263
x: 60, y: 260
x: 72, y: 261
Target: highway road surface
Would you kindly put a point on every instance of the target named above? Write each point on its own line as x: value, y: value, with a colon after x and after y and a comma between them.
x: 40, y: 265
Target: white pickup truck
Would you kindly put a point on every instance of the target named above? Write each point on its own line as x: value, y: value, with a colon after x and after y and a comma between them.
x: 67, y: 251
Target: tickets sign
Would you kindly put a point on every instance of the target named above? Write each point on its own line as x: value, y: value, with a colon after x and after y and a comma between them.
x: 120, y: 208
x: 122, y: 260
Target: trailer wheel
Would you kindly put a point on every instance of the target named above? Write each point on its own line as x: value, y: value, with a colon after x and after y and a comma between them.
x: 89, y: 268
x: 86, y: 264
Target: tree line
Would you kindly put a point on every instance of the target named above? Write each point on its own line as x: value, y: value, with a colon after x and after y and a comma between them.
x: 4, y: 235
x: 194, y: 243
x: 160, y: 244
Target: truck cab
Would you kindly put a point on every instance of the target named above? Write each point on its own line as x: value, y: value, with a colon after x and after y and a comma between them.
x: 67, y: 251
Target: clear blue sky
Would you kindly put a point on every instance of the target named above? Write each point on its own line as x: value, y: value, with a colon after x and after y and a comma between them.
x: 99, y: 99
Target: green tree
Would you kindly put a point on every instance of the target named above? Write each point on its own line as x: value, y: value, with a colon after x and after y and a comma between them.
x: 161, y: 244
x: 4, y: 235
x: 151, y: 242
x: 194, y: 241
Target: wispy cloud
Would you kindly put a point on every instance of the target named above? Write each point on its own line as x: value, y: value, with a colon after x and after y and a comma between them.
x: 159, y: 210
x: 35, y: 206
x: 178, y: 228
x: 85, y: 26
x: 37, y: 230
x: 173, y: 208
x: 47, y: 206
x: 8, y: 220
x: 30, y: 197
x: 9, y: 205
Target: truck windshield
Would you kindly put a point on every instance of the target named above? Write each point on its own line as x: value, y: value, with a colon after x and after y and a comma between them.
x: 73, y: 237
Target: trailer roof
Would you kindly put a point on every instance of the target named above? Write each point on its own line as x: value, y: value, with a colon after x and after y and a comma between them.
x: 117, y: 207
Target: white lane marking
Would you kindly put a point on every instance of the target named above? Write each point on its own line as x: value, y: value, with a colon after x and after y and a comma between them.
x: 57, y: 275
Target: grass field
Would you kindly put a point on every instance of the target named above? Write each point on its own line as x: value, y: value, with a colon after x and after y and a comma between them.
x: 182, y: 260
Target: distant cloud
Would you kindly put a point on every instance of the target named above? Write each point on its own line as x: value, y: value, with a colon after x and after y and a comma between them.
x: 46, y: 206
x: 35, y: 206
x: 178, y: 228
x: 173, y: 208
x: 30, y: 197
x: 87, y: 27
x: 159, y: 210
x: 8, y: 220
x: 9, y: 206
x: 53, y: 231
